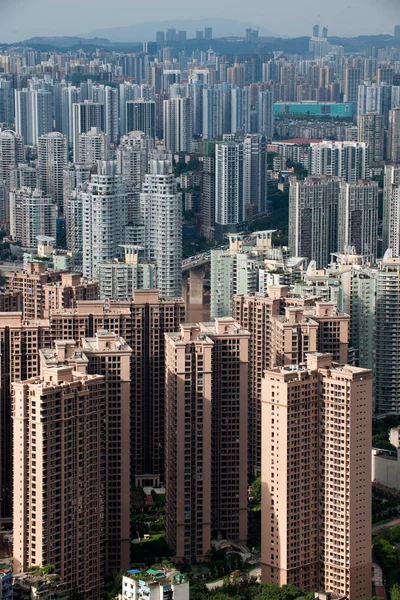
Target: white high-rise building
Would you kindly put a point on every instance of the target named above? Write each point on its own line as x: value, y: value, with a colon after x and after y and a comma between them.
x: 109, y: 97
x: 52, y: 157
x: 103, y: 217
x: 265, y: 113
x: 394, y: 135
x: 313, y: 218
x: 69, y: 96
x: 127, y: 91
x: 132, y: 162
x: 31, y: 214
x: 93, y: 146
x: 33, y: 114
x: 371, y: 130
x: 229, y: 201
x: 85, y: 115
x: 161, y: 214
x: 387, y: 336
x: 119, y: 280
x: 178, y: 124
x: 141, y: 116
x: 255, y: 175
x: 358, y: 217
x: 391, y: 209
x: 76, y: 176
x: 340, y: 159
x: 12, y: 152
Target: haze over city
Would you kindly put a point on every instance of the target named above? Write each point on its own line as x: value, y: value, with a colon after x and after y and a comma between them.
x: 22, y: 19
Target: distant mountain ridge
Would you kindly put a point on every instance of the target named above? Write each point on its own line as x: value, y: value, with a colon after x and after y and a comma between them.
x: 143, y: 32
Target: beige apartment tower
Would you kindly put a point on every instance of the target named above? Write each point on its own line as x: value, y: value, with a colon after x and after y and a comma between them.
x: 206, y: 436
x: 316, y: 471
x: 20, y: 341
x: 284, y: 327
x: 142, y: 322
x: 58, y: 462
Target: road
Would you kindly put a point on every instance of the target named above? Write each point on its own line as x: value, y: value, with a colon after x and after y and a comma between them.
x: 217, y: 584
x: 383, y: 525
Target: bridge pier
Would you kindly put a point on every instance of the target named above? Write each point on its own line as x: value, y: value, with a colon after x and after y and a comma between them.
x: 196, y: 286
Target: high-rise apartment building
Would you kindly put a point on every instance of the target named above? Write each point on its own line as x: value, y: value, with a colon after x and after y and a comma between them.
x: 161, y: 215
x: 394, y: 135
x: 52, y: 158
x: 85, y: 115
x: 391, y: 209
x: 59, y: 487
x: 6, y: 101
x: 141, y: 116
x: 316, y: 501
x: 142, y: 322
x: 255, y: 176
x: 33, y: 114
x: 32, y: 213
x: 371, y: 130
x: 265, y: 113
x: 313, y: 218
x: 110, y: 356
x: 104, y: 214
x: 387, y: 336
x: 178, y: 124
x: 348, y: 160
x: 208, y: 190
x: 20, y: 341
x: 43, y: 291
x: 352, y: 79
x: 93, y: 146
x: 230, y: 213
x: 76, y: 176
x: 358, y: 217
x: 283, y: 327
x: 12, y: 152
x: 119, y: 280
x: 206, y: 436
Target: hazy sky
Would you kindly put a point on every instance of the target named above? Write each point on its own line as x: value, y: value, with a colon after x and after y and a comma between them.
x: 21, y: 19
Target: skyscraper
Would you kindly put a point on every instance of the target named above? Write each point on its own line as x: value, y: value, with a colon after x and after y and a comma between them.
x: 20, y: 342
x: 178, y: 124
x: 342, y: 159
x: 372, y: 131
x: 255, y: 175
x: 358, y: 217
x: 52, y: 157
x: 6, y: 101
x: 93, y: 146
x: 85, y: 115
x: 59, y: 478
x: 104, y: 214
x: 391, y: 209
x: 316, y: 523
x: 161, y: 214
x: 313, y: 218
x: 12, y: 152
x: 109, y: 355
x: 352, y: 79
x: 32, y: 213
x: 33, y: 114
x: 394, y: 135
x: 229, y: 202
x: 206, y: 436
x: 141, y: 116
x: 142, y: 322
x: 265, y: 113
x: 387, y: 336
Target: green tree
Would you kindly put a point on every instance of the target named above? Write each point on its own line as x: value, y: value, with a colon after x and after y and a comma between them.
x: 256, y: 487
